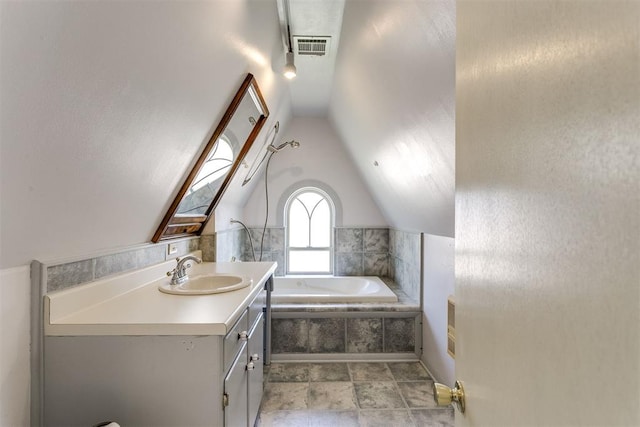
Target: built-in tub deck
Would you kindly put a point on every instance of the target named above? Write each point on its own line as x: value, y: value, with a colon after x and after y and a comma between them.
x: 404, y: 303
x: 347, y: 331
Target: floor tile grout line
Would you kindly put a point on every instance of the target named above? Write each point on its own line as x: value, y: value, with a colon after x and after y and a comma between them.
x: 353, y: 388
x: 358, y: 410
x: 308, y: 366
x: 395, y: 384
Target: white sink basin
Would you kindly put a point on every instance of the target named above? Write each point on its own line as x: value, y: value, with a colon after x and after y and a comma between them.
x: 204, y: 285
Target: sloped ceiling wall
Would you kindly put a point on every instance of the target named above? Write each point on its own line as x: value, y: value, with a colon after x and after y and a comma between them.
x: 106, y: 104
x: 393, y: 105
x: 321, y: 160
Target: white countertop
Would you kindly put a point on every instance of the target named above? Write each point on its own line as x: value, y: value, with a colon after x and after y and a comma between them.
x: 131, y: 304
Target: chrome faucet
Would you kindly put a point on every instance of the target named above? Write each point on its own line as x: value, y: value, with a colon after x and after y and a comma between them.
x: 179, y: 274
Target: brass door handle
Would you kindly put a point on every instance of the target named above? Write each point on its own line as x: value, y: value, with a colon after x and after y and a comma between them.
x: 444, y: 396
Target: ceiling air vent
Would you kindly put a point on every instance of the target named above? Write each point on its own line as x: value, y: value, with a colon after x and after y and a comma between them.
x: 311, y: 45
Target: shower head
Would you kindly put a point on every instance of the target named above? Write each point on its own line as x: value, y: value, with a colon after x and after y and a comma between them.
x: 293, y: 143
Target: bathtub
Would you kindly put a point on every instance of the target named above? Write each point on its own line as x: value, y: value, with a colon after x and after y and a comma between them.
x: 331, y: 289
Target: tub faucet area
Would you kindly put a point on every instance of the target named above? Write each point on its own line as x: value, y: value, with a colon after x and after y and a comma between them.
x: 179, y: 274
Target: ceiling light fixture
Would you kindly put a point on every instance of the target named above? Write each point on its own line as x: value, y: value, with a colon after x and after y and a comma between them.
x: 289, y: 70
x: 289, y: 67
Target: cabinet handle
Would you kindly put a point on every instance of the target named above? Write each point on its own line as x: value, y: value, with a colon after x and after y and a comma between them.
x: 254, y: 357
x: 243, y: 336
x: 250, y: 366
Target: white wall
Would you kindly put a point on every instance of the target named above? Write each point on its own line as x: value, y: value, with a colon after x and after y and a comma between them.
x: 393, y: 103
x: 439, y: 281
x: 104, y: 107
x: 547, y: 212
x: 320, y: 157
x: 14, y: 350
x: 106, y: 104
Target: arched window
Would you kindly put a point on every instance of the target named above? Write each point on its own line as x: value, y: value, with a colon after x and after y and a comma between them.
x: 309, y: 217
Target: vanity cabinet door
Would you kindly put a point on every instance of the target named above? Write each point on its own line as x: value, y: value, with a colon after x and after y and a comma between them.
x: 244, y: 364
x: 256, y: 369
x: 235, y: 391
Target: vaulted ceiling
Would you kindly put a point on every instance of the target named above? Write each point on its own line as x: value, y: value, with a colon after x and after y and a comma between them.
x: 388, y: 87
x: 393, y: 104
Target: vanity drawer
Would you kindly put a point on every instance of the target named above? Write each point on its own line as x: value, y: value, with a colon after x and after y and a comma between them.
x: 255, y: 308
x: 235, y: 338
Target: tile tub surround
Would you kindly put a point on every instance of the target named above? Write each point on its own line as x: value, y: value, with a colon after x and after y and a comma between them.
x: 227, y: 245
x: 68, y: 274
x: 358, y: 251
x: 361, y: 251
x: 272, y: 248
x: 234, y: 244
x: 404, y: 261
x: 208, y: 247
x: 364, y: 330
x: 350, y: 394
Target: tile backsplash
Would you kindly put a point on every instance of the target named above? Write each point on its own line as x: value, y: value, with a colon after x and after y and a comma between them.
x: 65, y: 275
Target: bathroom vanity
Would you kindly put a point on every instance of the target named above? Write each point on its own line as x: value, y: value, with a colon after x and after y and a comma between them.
x: 121, y: 350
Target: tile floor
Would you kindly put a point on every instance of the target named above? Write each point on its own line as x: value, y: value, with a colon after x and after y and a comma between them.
x: 350, y: 394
